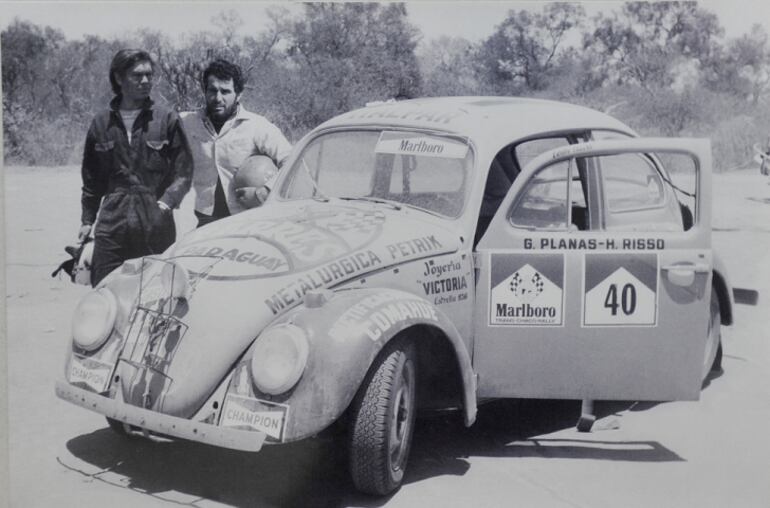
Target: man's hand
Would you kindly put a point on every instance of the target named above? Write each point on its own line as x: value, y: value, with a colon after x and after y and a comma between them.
x: 251, y: 197
x: 163, y: 206
x: 83, y: 232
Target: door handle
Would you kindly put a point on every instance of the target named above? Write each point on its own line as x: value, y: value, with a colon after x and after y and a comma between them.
x: 684, y: 275
x: 689, y: 267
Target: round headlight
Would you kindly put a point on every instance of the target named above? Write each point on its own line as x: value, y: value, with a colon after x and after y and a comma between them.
x: 279, y: 358
x: 94, y: 318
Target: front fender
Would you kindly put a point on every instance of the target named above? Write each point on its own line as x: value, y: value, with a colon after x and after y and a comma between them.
x: 346, y: 330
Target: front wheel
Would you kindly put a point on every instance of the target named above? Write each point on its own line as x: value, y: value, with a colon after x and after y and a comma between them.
x: 383, y: 421
x: 712, y: 360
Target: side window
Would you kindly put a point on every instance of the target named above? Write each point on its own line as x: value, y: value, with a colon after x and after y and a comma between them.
x: 639, y: 195
x: 549, y: 202
x: 619, y: 192
x: 528, y: 150
x: 631, y: 183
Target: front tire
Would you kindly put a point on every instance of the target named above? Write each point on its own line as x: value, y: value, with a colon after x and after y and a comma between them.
x: 712, y: 360
x: 382, y: 421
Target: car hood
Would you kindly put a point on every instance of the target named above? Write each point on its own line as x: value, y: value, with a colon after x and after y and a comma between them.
x: 247, y: 270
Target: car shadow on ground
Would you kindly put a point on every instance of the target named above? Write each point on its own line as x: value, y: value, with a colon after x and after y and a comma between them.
x: 314, y: 472
x: 510, y: 428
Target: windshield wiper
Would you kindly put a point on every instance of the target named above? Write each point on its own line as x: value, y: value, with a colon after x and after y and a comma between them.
x: 393, y: 204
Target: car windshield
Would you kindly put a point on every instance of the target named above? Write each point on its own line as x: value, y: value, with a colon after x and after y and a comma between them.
x: 427, y: 171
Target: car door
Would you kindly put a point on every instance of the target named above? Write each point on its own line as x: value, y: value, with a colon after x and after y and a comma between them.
x: 594, y: 275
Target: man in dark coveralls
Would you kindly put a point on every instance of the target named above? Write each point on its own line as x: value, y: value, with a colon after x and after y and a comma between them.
x: 136, y: 169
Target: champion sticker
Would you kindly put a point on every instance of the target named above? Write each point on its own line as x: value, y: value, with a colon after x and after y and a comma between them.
x: 90, y: 372
x: 255, y: 414
x: 526, y: 289
x: 620, y: 289
x: 408, y: 143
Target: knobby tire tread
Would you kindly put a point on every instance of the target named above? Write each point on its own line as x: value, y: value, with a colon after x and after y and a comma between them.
x: 369, y: 454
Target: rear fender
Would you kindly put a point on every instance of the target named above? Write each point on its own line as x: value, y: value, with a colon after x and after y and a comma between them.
x: 346, y: 330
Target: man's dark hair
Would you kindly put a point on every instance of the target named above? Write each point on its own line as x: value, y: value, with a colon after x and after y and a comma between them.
x: 122, y: 63
x: 222, y: 69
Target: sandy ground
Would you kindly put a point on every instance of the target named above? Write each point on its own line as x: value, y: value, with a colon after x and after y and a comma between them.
x: 710, y: 453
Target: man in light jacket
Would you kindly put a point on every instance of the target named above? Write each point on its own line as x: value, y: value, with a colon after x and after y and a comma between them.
x: 223, y: 136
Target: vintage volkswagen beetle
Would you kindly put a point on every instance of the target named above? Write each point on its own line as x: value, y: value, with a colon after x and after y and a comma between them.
x: 421, y: 254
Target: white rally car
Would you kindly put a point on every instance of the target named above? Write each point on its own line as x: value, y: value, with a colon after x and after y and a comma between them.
x: 430, y: 253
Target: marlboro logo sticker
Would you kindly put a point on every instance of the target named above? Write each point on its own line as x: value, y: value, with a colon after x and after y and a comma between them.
x: 526, y: 289
x: 408, y: 143
x: 620, y: 289
x: 255, y: 414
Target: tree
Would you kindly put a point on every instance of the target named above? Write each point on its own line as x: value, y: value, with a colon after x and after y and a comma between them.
x: 525, y: 49
x: 447, y: 66
x: 343, y: 55
x: 743, y: 67
x: 646, y: 43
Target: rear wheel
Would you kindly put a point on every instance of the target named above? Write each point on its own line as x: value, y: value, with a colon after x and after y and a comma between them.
x: 712, y: 360
x: 382, y: 421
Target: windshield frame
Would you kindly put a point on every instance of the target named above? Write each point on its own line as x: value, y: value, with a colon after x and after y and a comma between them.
x: 283, y: 179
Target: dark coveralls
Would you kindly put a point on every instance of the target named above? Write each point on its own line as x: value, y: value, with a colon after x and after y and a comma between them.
x: 131, y: 179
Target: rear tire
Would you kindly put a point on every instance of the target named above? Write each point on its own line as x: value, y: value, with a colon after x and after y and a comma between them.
x: 712, y: 360
x: 382, y: 421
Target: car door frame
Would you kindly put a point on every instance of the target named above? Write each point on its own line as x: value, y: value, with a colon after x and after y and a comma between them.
x: 658, y: 361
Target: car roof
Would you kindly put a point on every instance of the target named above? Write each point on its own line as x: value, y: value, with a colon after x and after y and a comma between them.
x: 496, y: 121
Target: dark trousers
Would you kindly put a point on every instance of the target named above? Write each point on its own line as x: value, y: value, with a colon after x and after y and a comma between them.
x: 130, y: 225
x: 220, y: 207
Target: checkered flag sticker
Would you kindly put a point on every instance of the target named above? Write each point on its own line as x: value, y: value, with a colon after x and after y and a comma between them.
x: 527, y: 290
x: 360, y: 222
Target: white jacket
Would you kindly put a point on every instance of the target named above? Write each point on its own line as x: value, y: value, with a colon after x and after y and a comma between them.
x: 221, y: 154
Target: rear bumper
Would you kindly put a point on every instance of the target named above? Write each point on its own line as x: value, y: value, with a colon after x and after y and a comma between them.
x: 245, y: 440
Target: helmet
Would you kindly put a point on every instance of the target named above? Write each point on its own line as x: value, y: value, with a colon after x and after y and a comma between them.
x: 254, y: 172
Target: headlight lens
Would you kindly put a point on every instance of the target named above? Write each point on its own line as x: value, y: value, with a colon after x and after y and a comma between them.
x: 94, y: 318
x: 279, y: 358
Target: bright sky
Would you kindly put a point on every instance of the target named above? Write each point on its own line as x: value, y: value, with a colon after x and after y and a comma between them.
x: 472, y: 20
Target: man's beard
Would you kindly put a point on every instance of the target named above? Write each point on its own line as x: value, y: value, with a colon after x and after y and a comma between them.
x: 224, y: 115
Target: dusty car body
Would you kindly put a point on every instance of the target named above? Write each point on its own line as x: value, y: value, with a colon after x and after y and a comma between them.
x: 430, y: 253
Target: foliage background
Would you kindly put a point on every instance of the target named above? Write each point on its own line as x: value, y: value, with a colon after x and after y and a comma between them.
x: 665, y: 68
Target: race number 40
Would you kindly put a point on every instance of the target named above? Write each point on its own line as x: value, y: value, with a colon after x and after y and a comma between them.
x: 620, y: 289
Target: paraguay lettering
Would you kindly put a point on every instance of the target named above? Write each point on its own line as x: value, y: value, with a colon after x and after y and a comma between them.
x: 321, y: 277
x: 270, y: 263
